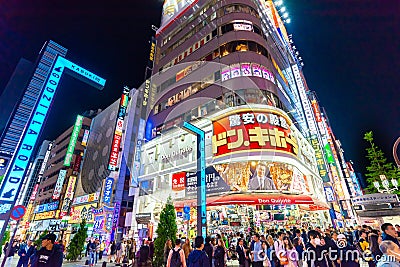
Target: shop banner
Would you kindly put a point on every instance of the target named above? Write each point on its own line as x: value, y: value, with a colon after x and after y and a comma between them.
x: 98, y: 224
x: 59, y: 184
x: 329, y: 194
x: 79, y: 213
x: 250, y: 131
x: 117, y: 208
x: 108, y: 188
x: 46, y: 215
x: 319, y: 156
x: 214, y: 183
x: 375, y: 199
x: 252, y: 199
x: 47, y: 207
x: 69, y: 194
x: 109, y: 215
x: 86, y: 198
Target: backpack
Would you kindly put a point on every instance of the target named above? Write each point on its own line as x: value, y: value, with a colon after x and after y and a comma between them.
x: 176, y: 258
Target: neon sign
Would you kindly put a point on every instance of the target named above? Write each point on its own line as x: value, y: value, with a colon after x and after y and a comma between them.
x: 72, y: 140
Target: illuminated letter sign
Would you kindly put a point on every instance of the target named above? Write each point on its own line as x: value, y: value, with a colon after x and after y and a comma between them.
x: 253, y: 130
x: 72, y: 141
x: 108, y: 188
x: 46, y: 158
x: 113, y: 161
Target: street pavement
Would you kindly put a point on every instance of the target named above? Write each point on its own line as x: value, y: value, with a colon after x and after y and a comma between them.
x: 99, y: 264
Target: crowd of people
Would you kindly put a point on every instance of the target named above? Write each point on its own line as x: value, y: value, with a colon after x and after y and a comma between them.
x: 313, y: 247
x: 50, y: 253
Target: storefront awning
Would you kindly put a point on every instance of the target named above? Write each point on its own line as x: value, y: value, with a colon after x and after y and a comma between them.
x: 258, y: 199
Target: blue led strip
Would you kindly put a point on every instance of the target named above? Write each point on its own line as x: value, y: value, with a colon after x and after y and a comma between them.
x: 15, y: 175
x: 201, y: 178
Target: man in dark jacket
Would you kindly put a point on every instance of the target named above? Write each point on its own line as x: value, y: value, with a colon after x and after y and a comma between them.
x: 208, y: 249
x: 240, y: 250
x: 198, y: 258
x: 389, y: 233
x: 25, y: 252
x: 50, y: 254
x: 315, y: 250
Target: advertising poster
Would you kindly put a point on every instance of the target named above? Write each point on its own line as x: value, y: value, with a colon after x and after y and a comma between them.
x: 79, y: 213
x: 178, y: 184
x: 59, y: 184
x: 214, y: 183
x: 98, y: 224
x: 262, y: 175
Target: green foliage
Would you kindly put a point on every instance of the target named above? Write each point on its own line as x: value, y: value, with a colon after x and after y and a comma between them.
x: 38, y: 242
x: 77, y: 244
x: 379, y: 165
x: 166, y: 229
x: 6, y: 238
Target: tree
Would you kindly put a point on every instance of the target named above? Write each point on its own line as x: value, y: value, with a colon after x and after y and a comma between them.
x: 6, y: 238
x: 77, y: 244
x: 379, y: 165
x: 166, y: 229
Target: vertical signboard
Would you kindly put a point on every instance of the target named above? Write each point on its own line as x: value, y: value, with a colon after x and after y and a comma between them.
x: 72, y: 140
x: 46, y: 158
x: 85, y: 138
x: 113, y: 161
x: 304, y: 100
x: 108, y: 189
x: 69, y: 194
x: 59, y: 184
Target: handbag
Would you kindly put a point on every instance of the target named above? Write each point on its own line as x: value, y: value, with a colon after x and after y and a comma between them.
x: 283, y: 260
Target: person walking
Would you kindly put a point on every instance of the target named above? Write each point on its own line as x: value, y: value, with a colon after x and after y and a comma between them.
x: 25, y: 252
x: 255, y: 251
x: 187, y: 249
x: 111, y: 251
x: 241, y: 252
x: 101, y: 249
x: 167, y: 250
x: 389, y: 233
x: 10, y: 252
x: 176, y: 256
x: 208, y: 249
x: 198, y: 258
x: 144, y: 255
x: 348, y: 253
x: 50, y: 254
x: 91, y: 251
x: 219, y: 254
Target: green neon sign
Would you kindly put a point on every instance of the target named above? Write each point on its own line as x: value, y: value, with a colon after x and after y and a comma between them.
x: 72, y: 140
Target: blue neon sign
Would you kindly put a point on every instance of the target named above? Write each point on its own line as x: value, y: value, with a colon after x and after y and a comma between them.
x: 16, y: 172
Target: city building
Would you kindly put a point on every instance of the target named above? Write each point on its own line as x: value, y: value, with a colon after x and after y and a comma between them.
x: 35, y: 171
x: 53, y: 198
x: 228, y: 68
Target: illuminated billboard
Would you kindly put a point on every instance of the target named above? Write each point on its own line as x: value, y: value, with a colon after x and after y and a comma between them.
x: 252, y: 130
x: 173, y: 8
x: 72, y: 140
x: 113, y: 161
x: 69, y: 194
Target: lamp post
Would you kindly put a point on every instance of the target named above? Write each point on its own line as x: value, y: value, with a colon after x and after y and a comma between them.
x: 386, y: 188
x: 201, y: 178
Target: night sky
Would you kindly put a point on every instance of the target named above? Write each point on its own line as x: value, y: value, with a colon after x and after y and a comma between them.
x: 351, y: 51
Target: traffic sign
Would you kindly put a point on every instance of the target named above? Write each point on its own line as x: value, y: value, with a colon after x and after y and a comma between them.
x: 18, y: 212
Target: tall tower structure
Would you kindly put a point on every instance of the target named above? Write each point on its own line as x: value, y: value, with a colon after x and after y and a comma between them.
x: 228, y: 68
x: 17, y: 117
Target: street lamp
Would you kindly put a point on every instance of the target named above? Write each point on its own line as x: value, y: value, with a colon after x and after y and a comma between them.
x: 386, y: 186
